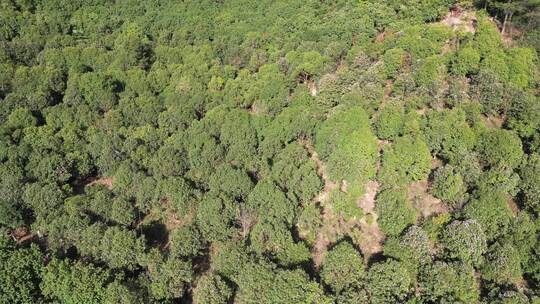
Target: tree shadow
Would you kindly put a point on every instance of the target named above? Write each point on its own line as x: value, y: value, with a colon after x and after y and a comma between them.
x: 156, y: 234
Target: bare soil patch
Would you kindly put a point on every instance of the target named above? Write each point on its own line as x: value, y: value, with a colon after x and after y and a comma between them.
x: 512, y: 205
x: 367, y: 201
x: 461, y: 20
x: 325, y: 234
x: 365, y: 231
x: 371, y: 238
x: 492, y: 121
x: 426, y: 204
x: 388, y: 88
x: 105, y: 181
x: 22, y: 235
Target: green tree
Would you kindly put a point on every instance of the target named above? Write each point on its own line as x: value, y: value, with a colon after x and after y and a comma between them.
x: 490, y: 209
x: 186, y: 241
x: 74, y: 282
x: 346, y: 143
x: 500, y: 148
x: 11, y: 178
x: 406, y: 160
x: 20, y: 272
x: 343, y: 268
x: 120, y: 248
x: 523, y: 112
x: 211, y: 289
x: 124, y: 293
x: 413, y: 248
x: 393, y: 60
x: 429, y: 75
x: 133, y: 47
x: 169, y: 277
x: 449, y: 186
x: 260, y: 283
x: 345, y: 204
x: 449, y: 283
x: 267, y: 201
x: 448, y: 134
x: 296, y: 173
x: 303, y: 66
x: 504, y: 179
x: 511, y: 296
x: 269, y: 90
x: 390, y: 122
x: 530, y: 181
x: 233, y: 182
x: 502, y: 264
x: 521, y: 62
x: 215, y: 216
x: 239, y: 136
x: 296, y: 121
x: 395, y: 211
x: 465, y: 241
x: 308, y: 222
x: 466, y: 61
x: 488, y: 88
x: 389, y: 281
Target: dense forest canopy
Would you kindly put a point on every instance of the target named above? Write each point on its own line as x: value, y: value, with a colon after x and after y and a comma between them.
x: 240, y: 151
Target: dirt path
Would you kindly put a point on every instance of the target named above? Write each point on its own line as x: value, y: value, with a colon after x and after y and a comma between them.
x: 324, y: 235
x: 491, y: 121
x: 457, y: 19
x: 105, y: 181
x: 22, y: 235
x: 426, y: 204
x: 372, y: 237
x: 369, y: 237
x: 388, y: 90
x: 512, y: 205
x: 321, y: 171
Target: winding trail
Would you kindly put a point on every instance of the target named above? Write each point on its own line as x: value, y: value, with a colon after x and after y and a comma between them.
x: 372, y: 237
x: 333, y: 226
x: 323, y: 237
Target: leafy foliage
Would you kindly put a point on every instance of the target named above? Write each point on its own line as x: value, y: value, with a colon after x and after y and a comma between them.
x: 465, y: 241
x: 269, y: 152
x: 343, y: 268
x: 389, y: 281
x: 346, y: 142
x: 20, y: 273
x: 404, y: 161
x: 395, y: 210
x: 448, y: 186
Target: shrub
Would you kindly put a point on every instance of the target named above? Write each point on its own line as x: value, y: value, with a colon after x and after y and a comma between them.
x: 490, y: 209
x: 448, y: 186
x: 393, y: 61
x: 389, y: 122
x: 466, y: 61
x: 389, y: 282
x: 343, y: 268
x: 395, y: 211
x: 465, y: 241
x: 500, y: 148
x: 404, y: 161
